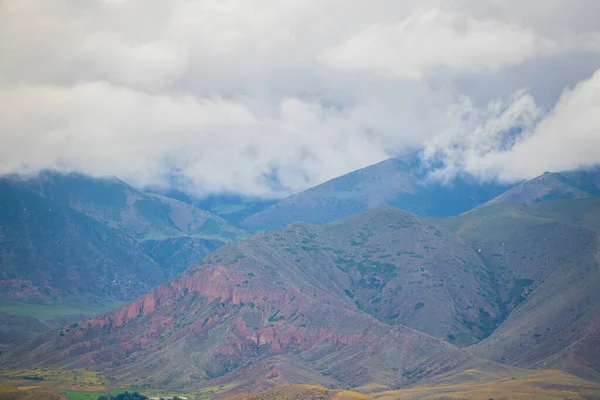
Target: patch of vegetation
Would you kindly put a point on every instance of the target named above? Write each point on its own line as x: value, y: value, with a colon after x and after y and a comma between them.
x: 276, y: 317
x: 126, y: 396
x: 48, y: 311
x: 82, y: 395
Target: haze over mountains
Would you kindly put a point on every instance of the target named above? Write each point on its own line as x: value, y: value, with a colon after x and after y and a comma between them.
x: 380, y: 299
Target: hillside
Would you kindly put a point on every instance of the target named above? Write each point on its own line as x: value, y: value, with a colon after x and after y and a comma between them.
x: 308, y: 304
x: 51, y: 252
x: 233, y: 208
x: 72, y: 246
x: 545, y: 259
x: 120, y: 206
x: 383, y: 299
x: 553, y: 186
x: 400, y: 182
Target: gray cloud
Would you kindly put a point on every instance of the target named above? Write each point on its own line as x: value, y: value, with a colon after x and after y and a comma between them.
x: 231, y: 93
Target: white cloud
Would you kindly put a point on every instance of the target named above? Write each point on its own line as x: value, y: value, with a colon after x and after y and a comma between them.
x: 237, y: 93
x: 435, y: 39
x: 562, y: 138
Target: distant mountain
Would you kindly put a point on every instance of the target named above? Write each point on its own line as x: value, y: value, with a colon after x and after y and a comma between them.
x: 400, y: 182
x: 72, y: 246
x: 52, y: 252
x: 120, y: 206
x: 553, y: 186
x: 233, y: 208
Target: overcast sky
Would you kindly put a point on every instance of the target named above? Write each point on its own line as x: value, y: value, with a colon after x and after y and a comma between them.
x: 234, y: 94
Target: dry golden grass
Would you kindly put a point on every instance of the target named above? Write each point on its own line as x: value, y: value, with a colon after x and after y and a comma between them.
x: 302, y: 392
x: 9, y: 392
x: 527, y: 385
x: 75, y: 377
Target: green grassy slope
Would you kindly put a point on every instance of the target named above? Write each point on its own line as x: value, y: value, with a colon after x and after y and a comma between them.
x: 49, y: 252
x: 69, y: 242
x: 117, y: 204
x: 544, y: 257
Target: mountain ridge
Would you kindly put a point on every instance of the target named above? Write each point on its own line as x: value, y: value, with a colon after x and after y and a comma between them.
x: 401, y: 182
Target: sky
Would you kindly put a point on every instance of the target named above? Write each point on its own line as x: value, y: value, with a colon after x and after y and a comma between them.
x: 270, y: 97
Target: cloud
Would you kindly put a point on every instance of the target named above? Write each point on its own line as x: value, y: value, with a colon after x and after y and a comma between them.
x: 267, y: 97
x: 142, y: 137
x: 520, y: 140
x: 425, y: 41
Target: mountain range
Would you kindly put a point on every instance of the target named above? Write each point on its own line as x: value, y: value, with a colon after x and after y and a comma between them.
x: 82, y: 245
x: 379, y: 281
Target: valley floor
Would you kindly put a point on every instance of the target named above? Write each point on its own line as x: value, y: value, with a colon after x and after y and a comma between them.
x: 509, y: 384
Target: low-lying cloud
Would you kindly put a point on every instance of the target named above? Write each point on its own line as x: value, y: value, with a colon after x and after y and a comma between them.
x: 266, y: 97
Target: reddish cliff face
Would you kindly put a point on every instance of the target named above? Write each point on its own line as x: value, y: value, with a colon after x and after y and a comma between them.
x: 325, y: 303
x: 281, y: 318
x: 217, y: 320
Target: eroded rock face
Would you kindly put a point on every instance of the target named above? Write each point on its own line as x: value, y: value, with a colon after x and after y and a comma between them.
x: 215, y: 321
x: 336, y: 304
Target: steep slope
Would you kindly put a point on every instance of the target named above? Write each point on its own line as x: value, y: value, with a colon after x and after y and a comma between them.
x: 547, y: 266
x: 401, y: 183
x: 71, y: 243
x: 50, y: 252
x: 178, y: 253
x: 305, y: 304
x: 387, y: 262
x: 208, y: 328
x: 553, y: 186
x: 120, y: 206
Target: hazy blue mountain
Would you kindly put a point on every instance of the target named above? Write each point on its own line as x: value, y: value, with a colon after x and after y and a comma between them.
x: 554, y: 186
x: 121, y: 206
x: 401, y: 182
x: 51, y: 252
x: 233, y: 208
